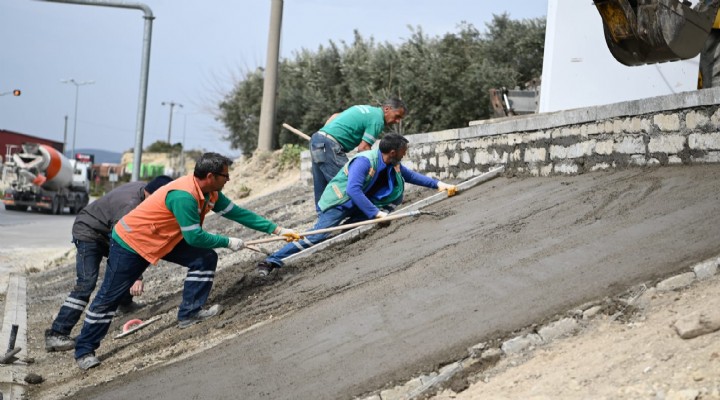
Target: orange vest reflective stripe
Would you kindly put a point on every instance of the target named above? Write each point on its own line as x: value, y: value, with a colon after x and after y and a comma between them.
x: 151, y: 228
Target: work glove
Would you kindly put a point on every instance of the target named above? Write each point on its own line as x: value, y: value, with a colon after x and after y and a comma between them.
x: 451, y: 189
x: 381, y: 214
x: 291, y: 235
x: 235, y: 244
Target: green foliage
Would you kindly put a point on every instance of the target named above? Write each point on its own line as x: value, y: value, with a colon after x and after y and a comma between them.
x: 164, y: 147
x: 290, y: 156
x: 444, y: 80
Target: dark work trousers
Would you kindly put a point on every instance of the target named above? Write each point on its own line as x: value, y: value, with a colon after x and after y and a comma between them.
x: 328, y: 157
x: 124, y: 267
x: 87, y: 265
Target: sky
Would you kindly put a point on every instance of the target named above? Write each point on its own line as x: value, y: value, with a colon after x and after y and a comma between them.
x: 199, y: 50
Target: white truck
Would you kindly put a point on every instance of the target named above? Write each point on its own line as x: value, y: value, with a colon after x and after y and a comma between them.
x: 45, y: 180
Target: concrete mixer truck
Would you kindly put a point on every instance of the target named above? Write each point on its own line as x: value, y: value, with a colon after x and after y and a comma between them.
x: 45, y: 180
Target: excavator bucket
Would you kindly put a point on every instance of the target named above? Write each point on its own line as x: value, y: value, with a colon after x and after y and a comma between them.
x: 641, y: 32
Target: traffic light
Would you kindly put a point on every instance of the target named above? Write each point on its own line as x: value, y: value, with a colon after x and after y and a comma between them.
x: 17, y: 92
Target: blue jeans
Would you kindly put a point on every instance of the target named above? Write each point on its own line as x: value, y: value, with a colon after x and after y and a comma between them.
x: 328, y: 157
x: 327, y: 219
x: 123, y: 269
x: 87, y: 265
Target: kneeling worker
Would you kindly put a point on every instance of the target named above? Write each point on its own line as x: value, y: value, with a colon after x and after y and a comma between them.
x: 168, y: 226
x: 370, y: 182
x: 91, y: 236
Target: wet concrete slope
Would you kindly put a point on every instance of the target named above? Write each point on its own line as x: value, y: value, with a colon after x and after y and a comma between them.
x: 407, y: 298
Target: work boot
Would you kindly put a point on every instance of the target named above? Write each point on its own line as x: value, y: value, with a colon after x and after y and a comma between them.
x: 87, y: 361
x: 264, y: 268
x: 201, y: 316
x: 57, y: 341
x: 129, y: 308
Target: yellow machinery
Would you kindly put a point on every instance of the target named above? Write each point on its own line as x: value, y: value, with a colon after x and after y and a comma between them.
x: 641, y: 32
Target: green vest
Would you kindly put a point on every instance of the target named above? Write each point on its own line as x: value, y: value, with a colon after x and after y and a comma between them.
x: 336, y: 191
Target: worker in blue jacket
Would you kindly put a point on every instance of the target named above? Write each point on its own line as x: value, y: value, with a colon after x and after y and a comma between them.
x: 369, y: 186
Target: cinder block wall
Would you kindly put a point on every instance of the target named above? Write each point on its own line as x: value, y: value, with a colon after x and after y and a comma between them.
x: 683, y: 128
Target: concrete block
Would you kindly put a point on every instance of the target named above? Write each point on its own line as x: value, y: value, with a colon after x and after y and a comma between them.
x: 471, y: 173
x: 521, y: 343
x: 535, y: 155
x: 442, y: 161
x: 676, y: 282
x: 629, y: 145
x: 600, y: 167
x: 715, y: 119
x: 607, y: 127
x: 638, y: 159
x: 576, y: 150
x: 567, y: 168
x: 667, y: 122
x: 673, y: 160
x: 590, y: 129
x: 604, y: 147
x: 698, y: 323
x: 671, y: 144
x: 709, y: 157
x: 706, y: 269
x: 554, y: 330
x: 546, y: 170
x: 591, y: 312
x: 567, y: 132
x: 704, y: 141
x: 696, y: 119
x: 639, y: 125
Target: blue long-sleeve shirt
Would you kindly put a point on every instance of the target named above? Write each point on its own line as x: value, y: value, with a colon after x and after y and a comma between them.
x: 384, y: 176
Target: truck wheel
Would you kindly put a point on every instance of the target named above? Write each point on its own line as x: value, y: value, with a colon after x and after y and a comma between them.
x: 55, y: 208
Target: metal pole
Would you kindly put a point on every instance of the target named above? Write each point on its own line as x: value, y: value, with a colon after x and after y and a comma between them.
x: 144, y: 69
x: 172, y: 105
x: 65, y: 135
x: 77, y: 94
x: 267, y: 110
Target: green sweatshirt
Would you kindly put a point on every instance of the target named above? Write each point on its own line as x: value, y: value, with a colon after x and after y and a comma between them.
x: 185, y: 208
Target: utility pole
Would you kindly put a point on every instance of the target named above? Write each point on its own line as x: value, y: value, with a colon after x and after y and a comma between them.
x: 172, y: 105
x: 65, y: 135
x: 77, y: 94
x: 267, y: 110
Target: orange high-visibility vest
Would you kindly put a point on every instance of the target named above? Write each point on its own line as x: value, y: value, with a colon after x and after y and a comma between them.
x: 151, y: 229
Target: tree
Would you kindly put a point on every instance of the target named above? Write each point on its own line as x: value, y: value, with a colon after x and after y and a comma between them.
x: 444, y: 80
x: 161, y: 146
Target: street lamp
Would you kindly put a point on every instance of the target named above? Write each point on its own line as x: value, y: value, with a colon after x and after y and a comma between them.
x: 77, y: 93
x: 16, y: 92
x: 172, y: 105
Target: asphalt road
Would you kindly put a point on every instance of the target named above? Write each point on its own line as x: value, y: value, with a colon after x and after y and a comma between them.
x: 406, y: 299
x: 29, y: 232
x: 34, y: 229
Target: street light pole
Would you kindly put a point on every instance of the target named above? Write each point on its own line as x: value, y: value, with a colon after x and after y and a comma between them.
x: 77, y: 94
x: 172, y: 105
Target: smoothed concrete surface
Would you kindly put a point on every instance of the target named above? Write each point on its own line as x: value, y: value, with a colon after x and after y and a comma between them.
x: 408, y: 298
